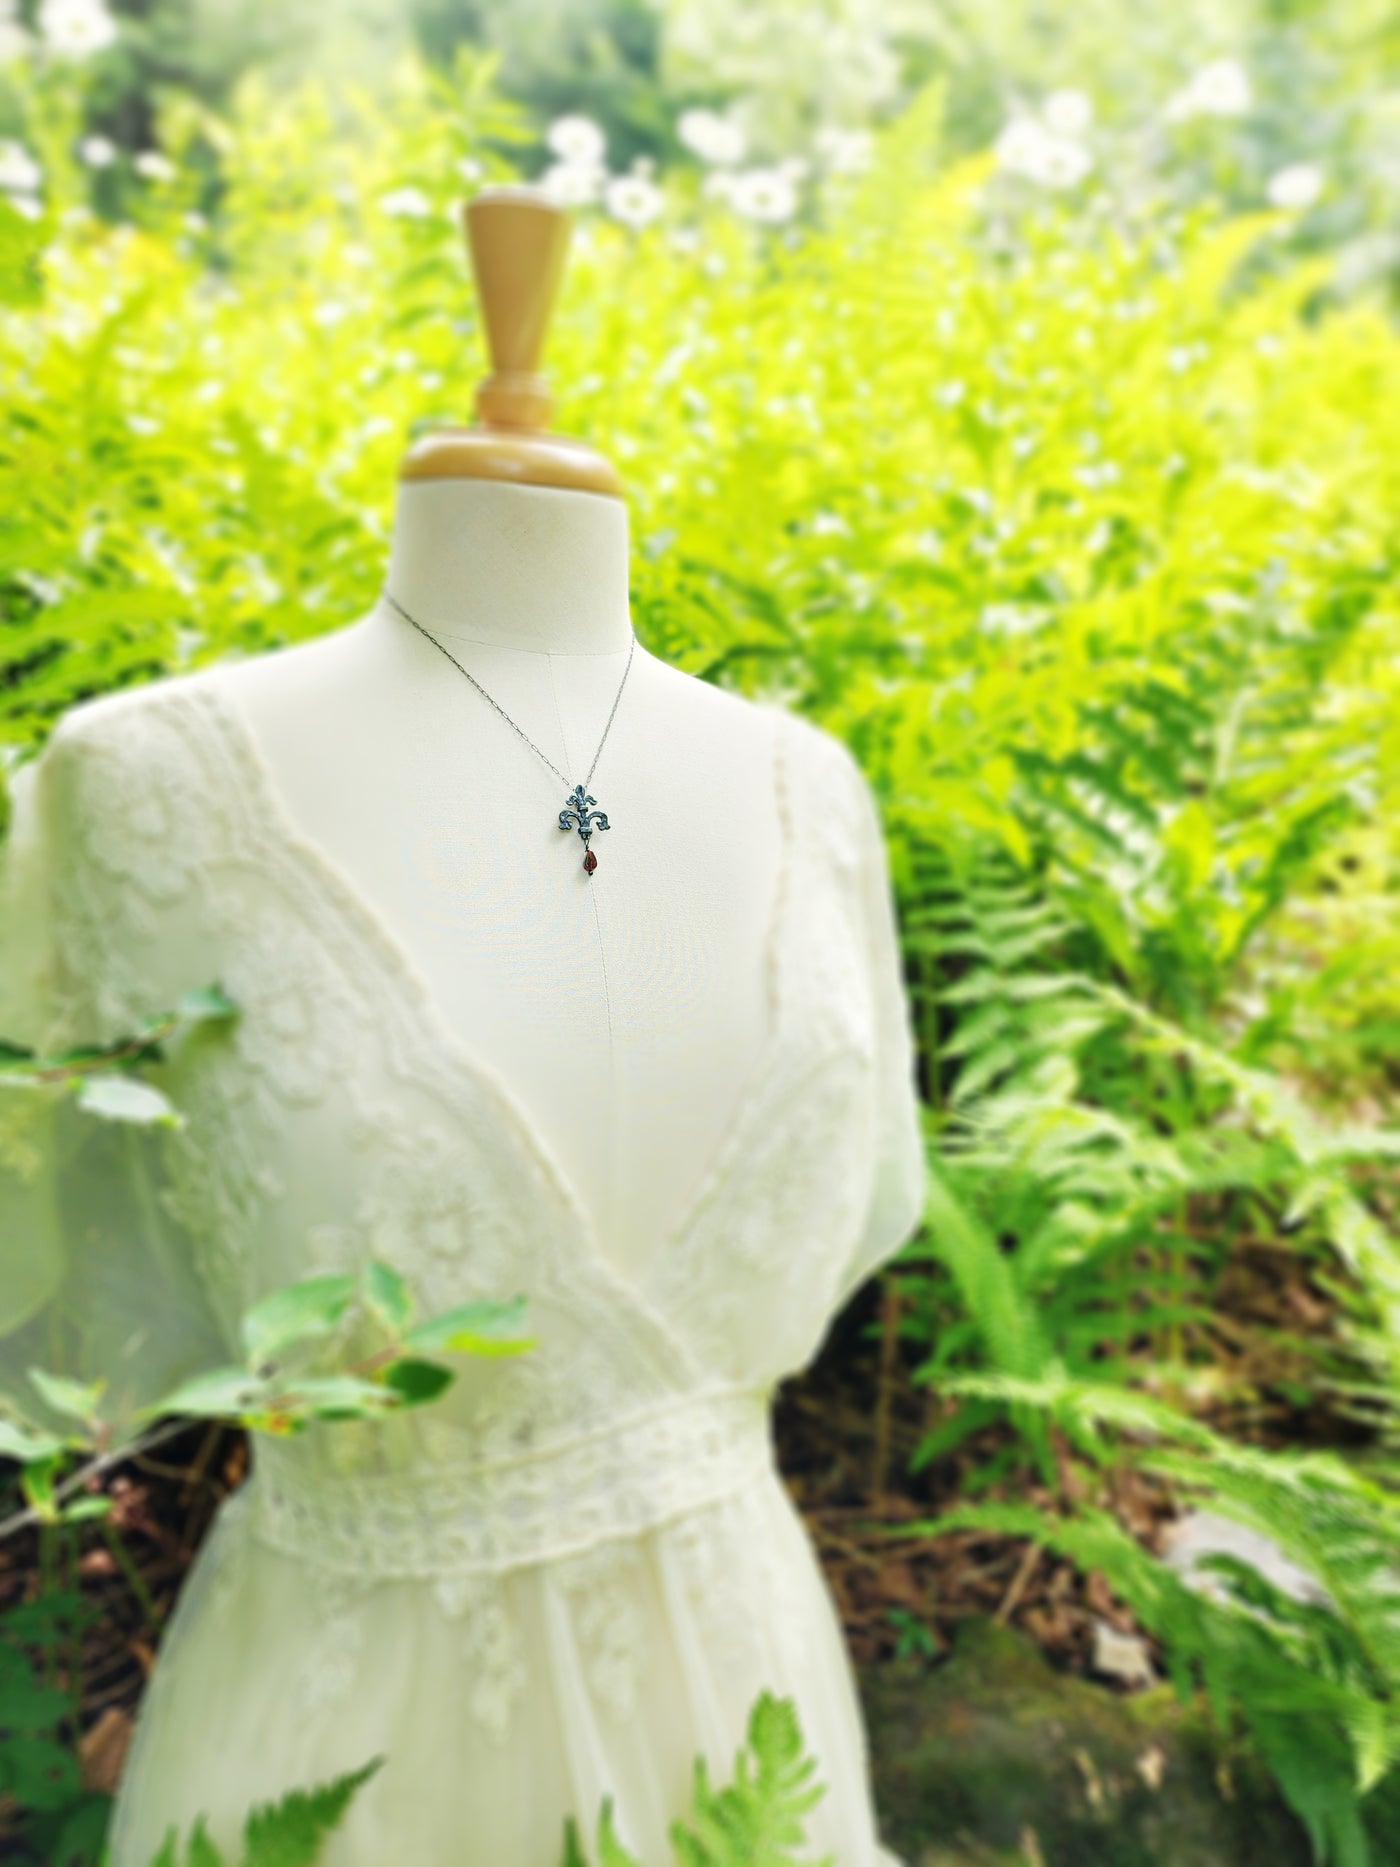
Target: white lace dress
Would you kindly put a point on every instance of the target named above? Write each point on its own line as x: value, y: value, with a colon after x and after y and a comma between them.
x: 580, y: 1566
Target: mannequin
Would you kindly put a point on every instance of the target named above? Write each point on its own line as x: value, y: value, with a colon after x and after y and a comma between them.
x: 574, y: 1571
x: 592, y: 998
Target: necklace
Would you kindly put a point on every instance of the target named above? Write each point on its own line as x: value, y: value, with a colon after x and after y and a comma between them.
x: 577, y: 812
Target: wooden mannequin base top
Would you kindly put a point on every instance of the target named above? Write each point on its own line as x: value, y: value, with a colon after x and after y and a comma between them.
x: 525, y: 456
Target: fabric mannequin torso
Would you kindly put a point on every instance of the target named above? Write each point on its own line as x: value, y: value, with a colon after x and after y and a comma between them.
x: 626, y: 1012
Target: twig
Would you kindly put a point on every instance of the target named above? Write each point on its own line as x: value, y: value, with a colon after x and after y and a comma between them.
x: 77, y: 1480
x: 1023, y: 1575
x: 889, y: 1339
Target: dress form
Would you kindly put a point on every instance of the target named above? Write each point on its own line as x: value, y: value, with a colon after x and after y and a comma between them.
x: 626, y: 1011
x: 572, y: 1574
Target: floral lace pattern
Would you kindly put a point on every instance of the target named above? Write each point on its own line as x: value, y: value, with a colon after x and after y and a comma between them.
x: 337, y: 1119
x: 603, y: 1587
x: 498, y: 1514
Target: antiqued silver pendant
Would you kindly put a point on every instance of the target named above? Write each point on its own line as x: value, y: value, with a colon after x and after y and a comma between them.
x: 577, y: 815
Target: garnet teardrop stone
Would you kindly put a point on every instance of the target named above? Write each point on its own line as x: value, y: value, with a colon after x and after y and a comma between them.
x: 590, y: 862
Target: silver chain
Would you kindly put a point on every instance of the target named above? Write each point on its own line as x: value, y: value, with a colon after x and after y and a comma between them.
x: 501, y: 710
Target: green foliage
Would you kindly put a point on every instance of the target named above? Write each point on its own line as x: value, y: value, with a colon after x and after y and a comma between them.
x: 278, y: 1389
x: 1316, y: 1681
x: 755, y: 1821
x: 1078, y: 524
x: 102, y: 1075
x: 1116, y: 1155
x: 290, y: 1832
x: 63, y: 1823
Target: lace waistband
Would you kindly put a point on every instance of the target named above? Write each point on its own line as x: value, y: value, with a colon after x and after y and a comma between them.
x: 630, y: 1477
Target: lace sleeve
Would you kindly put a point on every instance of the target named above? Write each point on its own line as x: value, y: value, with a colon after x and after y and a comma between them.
x: 900, y: 1173
x: 96, y: 1281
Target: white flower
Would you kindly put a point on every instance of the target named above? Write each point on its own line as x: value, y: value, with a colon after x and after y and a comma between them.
x: 19, y: 172
x: 572, y: 184
x: 718, y: 184
x: 99, y: 152
x: 763, y: 194
x: 1026, y: 147
x: 153, y: 165
x: 26, y: 204
x: 1019, y: 144
x: 469, y: 168
x: 577, y: 139
x: 794, y: 167
x: 1298, y: 185
x: 844, y: 152
x: 1220, y: 89
x: 713, y: 138
x: 1063, y: 163
x: 76, y: 27
x: 406, y: 203
x: 633, y: 199
x: 1067, y: 113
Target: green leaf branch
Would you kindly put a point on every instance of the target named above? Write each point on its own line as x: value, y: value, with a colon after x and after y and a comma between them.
x: 266, y: 1392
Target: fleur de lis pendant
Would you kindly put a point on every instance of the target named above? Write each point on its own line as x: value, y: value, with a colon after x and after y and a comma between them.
x: 577, y: 815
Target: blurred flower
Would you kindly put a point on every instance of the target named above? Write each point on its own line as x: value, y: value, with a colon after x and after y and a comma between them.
x: 633, y: 199
x: 765, y: 194
x: 153, y: 165
x: 406, y: 203
x: 1220, y: 89
x: 794, y: 167
x: 571, y: 184
x: 1026, y: 147
x: 711, y: 137
x: 822, y: 523
x: 1019, y: 144
x: 76, y: 27
x: 1067, y: 113
x: 19, y: 172
x: 1015, y: 618
x: 99, y: 152
x: 469, y: 168
x: 718, y: 184
x: 1098, y: 473
x: 576, y: 139
x: 843, y: 151
x: 1298, y: 185
x: 1063, y: 163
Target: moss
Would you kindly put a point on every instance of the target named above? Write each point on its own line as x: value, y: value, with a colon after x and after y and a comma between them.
x: 994, y: 1756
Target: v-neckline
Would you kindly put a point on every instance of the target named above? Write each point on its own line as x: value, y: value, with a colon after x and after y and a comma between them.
x: 469, y: 1065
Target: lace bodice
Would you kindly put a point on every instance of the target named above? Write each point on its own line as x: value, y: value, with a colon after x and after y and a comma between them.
x: 339, y: 1117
